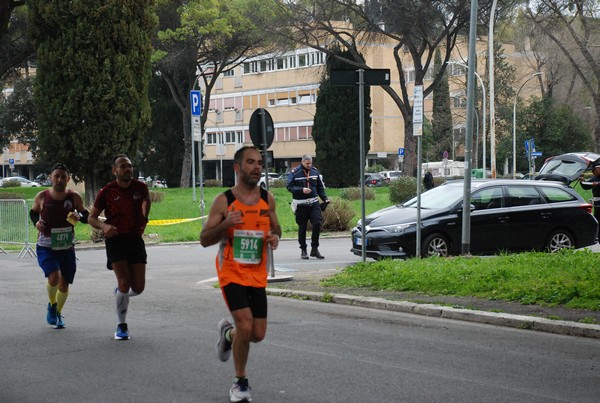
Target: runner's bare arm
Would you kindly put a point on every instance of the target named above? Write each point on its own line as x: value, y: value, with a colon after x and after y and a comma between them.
x: 36, y: 209
x: 219, y: 220
x: 94, y: 221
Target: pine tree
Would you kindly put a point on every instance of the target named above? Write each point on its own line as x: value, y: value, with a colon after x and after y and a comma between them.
x: 441, y: 138
x: 92, y: 82
x: 336, y: 129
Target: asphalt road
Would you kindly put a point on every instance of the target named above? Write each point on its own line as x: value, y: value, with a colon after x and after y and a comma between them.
x: 313, y: 352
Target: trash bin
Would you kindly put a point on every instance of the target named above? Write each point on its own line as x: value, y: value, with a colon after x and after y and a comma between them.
x: 476, y: 173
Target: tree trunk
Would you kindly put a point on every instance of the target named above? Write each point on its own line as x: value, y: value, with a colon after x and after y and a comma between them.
x: 186, y: 167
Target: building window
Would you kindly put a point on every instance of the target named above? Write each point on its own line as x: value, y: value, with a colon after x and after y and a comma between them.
x: 459, y: 101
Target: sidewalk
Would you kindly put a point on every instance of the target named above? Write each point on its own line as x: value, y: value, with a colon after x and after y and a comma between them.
x: 501, y: 313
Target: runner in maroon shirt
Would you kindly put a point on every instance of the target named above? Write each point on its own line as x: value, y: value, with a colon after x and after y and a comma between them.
x: 126, y: 205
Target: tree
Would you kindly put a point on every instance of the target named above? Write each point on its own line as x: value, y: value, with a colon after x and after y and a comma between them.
x: 441, y: 136
x: 555, y: 129
x: 199, y: 40
x: 160, y: 151
x: 91, y: 91
x: 15, y: 46
x: 336, y: 128
x: 574, y: 29
x: 418, y: 28
x: 17, y: 114
x: 504, y: 75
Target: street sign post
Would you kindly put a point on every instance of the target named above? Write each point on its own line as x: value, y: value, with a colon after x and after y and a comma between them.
x: 196, y: 130
x: 262, y: 133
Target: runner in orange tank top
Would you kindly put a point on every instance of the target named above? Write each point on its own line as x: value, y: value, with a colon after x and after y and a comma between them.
x: 244, y: 222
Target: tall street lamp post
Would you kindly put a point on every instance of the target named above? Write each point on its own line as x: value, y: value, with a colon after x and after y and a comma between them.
x: 514, y: 162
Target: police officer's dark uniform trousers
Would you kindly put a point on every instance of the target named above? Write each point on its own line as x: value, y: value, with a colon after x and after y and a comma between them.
x: 595, y: 196
x: 307, y: 206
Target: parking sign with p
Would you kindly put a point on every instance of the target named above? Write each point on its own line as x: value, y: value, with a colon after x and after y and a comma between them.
x: 195, y: 103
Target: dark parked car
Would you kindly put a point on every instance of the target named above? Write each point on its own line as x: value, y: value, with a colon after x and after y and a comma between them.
x: 566, y: 167
x: 506, y: 215
x: 374, y: 180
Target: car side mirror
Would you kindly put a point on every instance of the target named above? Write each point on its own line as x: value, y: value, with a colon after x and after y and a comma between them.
x: 459, y: 209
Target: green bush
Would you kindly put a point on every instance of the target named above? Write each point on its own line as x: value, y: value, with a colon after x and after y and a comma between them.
x: 212, y: 183
x: 156, y: 196
x: 375, y: 168
x: 10, y: 196
x: 403, y: 189
x: 278, y: 183
x: 354, y: 193
x: 11, y: 183
x: 338, y: 215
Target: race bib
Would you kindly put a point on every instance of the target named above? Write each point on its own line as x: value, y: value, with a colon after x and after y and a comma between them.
x: 248, y: 246
x: 61, y: 238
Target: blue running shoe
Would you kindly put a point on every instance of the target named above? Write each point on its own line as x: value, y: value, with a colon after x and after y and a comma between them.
x: 60, y: 324
x: 51, y: 315
x: 122, y: 332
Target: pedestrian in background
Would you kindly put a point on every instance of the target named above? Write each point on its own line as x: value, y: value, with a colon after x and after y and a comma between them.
x: 54, y: 213
x: 594, y: 184
x: 428, y: 180
x: 306, y: 186
x: 126, y: 206
x: 243, y: 221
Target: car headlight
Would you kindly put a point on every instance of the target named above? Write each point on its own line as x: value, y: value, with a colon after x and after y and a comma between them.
x: 394, y: 229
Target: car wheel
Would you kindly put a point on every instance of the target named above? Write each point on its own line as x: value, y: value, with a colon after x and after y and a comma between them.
x: 435, y: 245
x: 559, y: 239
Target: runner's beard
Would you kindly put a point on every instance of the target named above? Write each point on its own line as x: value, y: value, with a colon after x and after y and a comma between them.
x: 59, y: 187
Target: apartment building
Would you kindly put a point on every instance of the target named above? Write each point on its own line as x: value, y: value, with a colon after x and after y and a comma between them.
x: 287, y: 85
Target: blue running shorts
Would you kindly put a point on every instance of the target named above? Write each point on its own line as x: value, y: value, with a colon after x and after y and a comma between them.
x: 52, y: 260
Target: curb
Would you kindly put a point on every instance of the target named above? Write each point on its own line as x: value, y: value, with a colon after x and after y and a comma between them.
x: 490, y: 318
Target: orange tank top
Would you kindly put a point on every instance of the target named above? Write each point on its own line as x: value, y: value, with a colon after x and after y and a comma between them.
x: 242, y: 257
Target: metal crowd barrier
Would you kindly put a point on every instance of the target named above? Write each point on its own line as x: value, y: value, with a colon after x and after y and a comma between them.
x: 14, y: 226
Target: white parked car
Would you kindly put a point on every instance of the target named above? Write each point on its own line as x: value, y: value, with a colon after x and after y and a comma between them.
x: 26, y: 183
x: 272, y: 177
x: 391, y: 175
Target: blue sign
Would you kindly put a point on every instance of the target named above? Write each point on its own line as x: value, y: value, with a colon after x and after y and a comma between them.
x: 196, y: 102
x: 536, y: 154
x: 11, y: 161
x: 401, y: 152
x: 529, y: 143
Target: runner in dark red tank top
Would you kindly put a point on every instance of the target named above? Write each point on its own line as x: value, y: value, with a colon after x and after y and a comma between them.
x: 53, y: 213
x: 126, y: 205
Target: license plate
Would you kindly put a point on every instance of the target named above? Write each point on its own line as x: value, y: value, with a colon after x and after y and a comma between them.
x: 358, y: 241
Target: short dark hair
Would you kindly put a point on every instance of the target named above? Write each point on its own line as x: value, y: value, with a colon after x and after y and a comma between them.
x: 59, y: 165
x: 119, y: 156
x: 239, y: 154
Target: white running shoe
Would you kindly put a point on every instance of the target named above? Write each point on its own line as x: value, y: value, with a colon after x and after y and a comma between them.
x: 240, y: 391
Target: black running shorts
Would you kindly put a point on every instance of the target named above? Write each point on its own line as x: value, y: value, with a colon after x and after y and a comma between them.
x: 131, y: 249
x: 240, y: 296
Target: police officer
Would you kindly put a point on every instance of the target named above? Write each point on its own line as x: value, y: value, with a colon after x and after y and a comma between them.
x: 594, y: 184
x: 306, y: 186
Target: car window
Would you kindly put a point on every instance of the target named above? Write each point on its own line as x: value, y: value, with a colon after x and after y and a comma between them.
x: 556, y: 195
x: 564, y: 167
x: 438, y: 197
x: 487, y: 198
x: 394, y: 174
x: 523, y: 196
